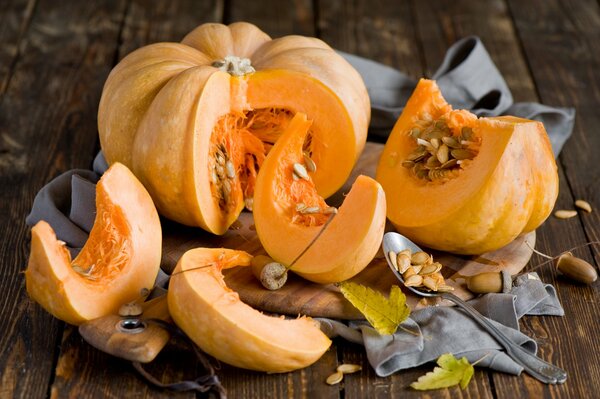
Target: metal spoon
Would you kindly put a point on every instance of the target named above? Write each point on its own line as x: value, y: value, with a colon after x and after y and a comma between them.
x: 533, y: 365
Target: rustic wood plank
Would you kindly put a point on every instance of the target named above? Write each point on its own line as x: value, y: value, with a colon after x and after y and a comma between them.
x: 165, y: 21
x: 47, y: 125
x: 97, y: 374
x: 15, y: 17
x: 379, y: 30
x: 276, y: 18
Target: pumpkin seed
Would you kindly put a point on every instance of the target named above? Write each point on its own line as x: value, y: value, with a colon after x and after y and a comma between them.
x: 451, y: 142
x: 435, y: 143
x: 462, y: 153
x: 214, y: 177
x: 442, y: 154
x: 408, y: 272
x: 417, y: 155
x: 335, y: 378
x: 430, y: 283
x: 445, y: 288
x: 403, y: 262
x: 413, y: 281
x: 230, y: 169
x: 220, y: 171
x: 300, y: 171
x: 311, y: 209
x: 348, y: 368
x: 311, y: 166
x: 393, y: 258
x: 424, y: 143
x: 418, y: 258
x: 408, y: 164
x: 466, y: 132
x: 581, y: 204
x: 432, y: 162
x: 565, y: 214
x: 415, y: 133
x: 430, y: 269
x: 249, y: 202
x: 417, y: 268
x: 329, y: 210
x: 220, y: 158
x: 450, y: 163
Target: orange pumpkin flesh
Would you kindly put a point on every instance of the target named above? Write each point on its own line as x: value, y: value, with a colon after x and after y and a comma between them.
x: 120, y: 258
x: 167, y: 112
x: 213, y: 316
x: 508, y: 188
x: 285, y: 229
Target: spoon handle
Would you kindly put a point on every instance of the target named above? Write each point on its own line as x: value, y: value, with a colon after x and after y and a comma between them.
x: 533, y: 365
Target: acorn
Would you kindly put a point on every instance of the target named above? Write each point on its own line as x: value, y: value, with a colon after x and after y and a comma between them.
x: 484, y: 283
x: 576, y: 269
x: 272, y: 275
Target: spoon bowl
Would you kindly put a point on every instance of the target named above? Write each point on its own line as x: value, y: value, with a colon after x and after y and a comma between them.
x: 533, y: 365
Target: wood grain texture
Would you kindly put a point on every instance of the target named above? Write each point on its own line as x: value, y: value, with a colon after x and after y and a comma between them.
x: 15, y: 17
x: 276, y: 18
x: 47, y: 126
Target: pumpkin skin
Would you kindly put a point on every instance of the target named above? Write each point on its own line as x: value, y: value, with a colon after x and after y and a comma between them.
x: 509, y: 188
x: 124, y: 246
x: 348, y: 243
x: 213, y: 316
x: 165, y: 110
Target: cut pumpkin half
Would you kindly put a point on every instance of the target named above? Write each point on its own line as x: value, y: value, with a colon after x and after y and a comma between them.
x: 213, y: 316
x: 195, y: 120
x: 463, y: 184
x: 289, y: 214
x: 120, y: 258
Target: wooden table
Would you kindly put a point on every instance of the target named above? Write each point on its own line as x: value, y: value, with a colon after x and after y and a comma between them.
x: 55, y: 56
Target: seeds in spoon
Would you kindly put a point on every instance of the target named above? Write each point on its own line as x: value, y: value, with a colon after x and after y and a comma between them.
x: 413, y: 281
x: 418, y: 258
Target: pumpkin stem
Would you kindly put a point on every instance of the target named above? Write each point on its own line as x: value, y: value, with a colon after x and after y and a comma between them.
x: 234, y: 65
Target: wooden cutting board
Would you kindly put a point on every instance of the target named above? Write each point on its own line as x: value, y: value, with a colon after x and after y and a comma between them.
x: 299, y: 296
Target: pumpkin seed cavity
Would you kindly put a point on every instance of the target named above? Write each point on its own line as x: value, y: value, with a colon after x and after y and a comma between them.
x: 239, y: 145
x: 440, y: 152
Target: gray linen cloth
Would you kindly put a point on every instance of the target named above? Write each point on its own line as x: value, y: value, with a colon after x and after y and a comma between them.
x: 468, y: 79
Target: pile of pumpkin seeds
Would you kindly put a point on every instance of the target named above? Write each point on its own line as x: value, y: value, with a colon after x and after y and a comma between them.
x: 440, y: 153
x: 300, y: 171
x: 223, y: 174
x: 419, y: 270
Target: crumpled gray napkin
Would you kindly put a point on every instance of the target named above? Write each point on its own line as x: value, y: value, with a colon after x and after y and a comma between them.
x: 439, y: 330
x: 468, y: 79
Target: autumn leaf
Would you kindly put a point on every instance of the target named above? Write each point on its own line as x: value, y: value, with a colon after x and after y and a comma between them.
x: 451, y: 372
x: 384, y: 314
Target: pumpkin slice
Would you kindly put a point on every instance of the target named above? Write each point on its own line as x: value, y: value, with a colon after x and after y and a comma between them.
x: 213, y: 316
x: 463, y: 184
x: 289, y: 214
x: 195, y: 120
x: 120, y: 258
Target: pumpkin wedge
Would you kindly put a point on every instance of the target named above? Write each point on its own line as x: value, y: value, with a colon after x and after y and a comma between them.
x: 289, y: 213
x: 195, y: 120
x: 120, y: 258
x: 213, y: 316
x: 463, y: 184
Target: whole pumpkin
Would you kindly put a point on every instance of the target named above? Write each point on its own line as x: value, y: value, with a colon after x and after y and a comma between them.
x: 194, y: 120
x: 463, y: 184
